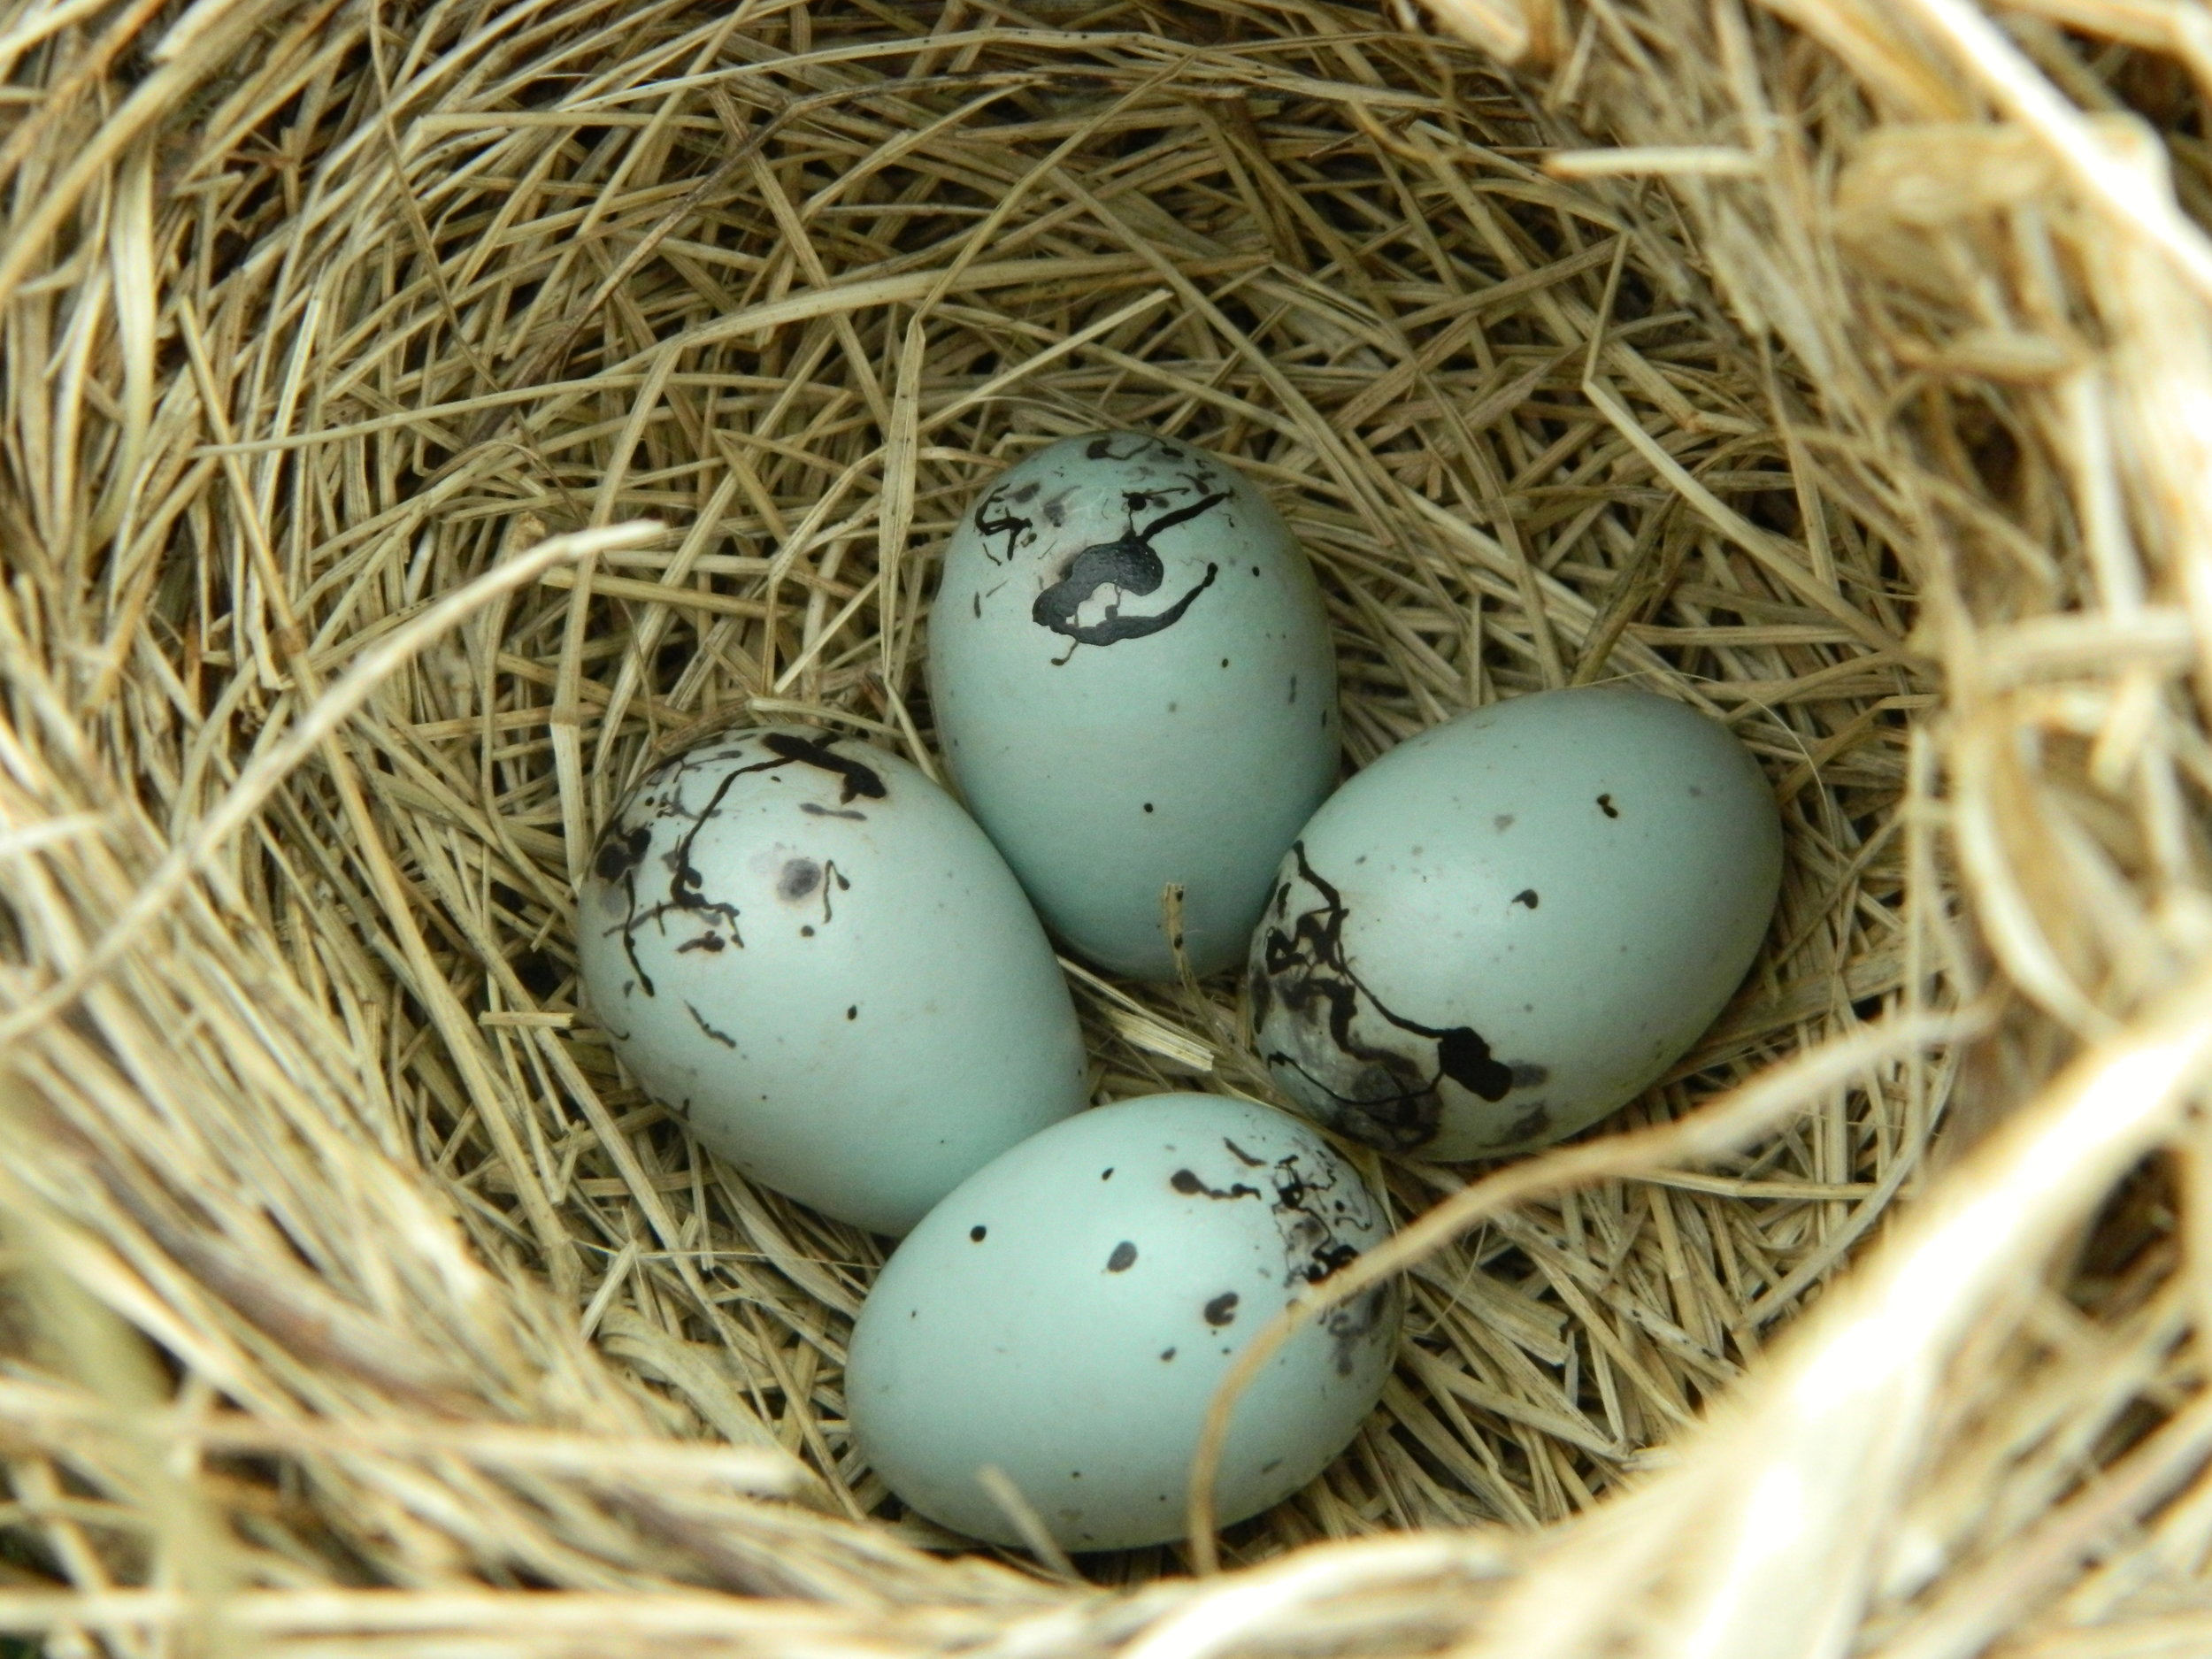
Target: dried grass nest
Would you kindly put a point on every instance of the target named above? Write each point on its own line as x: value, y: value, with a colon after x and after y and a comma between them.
x: 420, y: 416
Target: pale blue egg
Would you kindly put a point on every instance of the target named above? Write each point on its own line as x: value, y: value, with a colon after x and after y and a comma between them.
x: 1066, y: 1315
x: 1515, y: 922
x: 1135, y: 684
x: 807, y: 948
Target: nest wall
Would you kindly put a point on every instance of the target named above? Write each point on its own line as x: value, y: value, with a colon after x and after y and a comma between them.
x: 419, y: 420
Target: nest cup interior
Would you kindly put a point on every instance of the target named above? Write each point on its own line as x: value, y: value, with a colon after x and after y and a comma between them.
x: 737, y: 307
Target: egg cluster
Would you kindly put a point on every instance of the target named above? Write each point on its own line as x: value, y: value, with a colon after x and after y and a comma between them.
x: 1501, y: 931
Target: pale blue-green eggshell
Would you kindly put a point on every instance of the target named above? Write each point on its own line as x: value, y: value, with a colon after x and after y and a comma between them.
x: 810, y: 951
x: 1515, y: 922
x: 1066, y: 1314
x: 1135, y: 684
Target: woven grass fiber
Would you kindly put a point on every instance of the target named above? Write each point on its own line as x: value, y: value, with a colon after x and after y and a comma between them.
x: 420, y: 416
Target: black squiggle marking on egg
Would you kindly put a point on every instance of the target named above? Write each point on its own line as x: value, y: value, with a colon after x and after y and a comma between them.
x: 1526, y: 896
x: 622, y: 849
x: 699, y: 1019
x: 991, y: 519
x: 1320, y: 1206
x: 1323, y: 1213
x: 1606, y: 806
x: 1378, y: 1093
x: 857, y: 778
x: 1102, y: 447
x: 1187, y: 1183
x: 687, y: 885
x: 1129, y: 564
x: 620, y: 855
x: 1222, y: 1309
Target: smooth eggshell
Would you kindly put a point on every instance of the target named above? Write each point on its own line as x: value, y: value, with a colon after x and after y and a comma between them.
x: 1066, y: 1315
x: 809, y: 948
x: 1515, y: 922
x: 1132, y: 676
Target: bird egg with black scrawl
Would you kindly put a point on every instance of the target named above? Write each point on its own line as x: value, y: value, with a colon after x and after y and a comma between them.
x: 1132, y: 677
x: 1065, y: 1317
x: 1515, y: 922
x: 809, y: 951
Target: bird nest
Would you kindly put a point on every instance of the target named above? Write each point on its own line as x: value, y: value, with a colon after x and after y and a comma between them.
x: 416, y: 420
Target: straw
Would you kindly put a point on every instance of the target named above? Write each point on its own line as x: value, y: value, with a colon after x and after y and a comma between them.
x: 1836, y: 370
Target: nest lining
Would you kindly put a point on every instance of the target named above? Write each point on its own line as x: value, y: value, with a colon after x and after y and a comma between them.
x: 391, y: 306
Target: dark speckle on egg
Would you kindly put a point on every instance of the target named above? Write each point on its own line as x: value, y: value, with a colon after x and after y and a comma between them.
x: 1223, y: 1308
x: 1187, y: 1183
x: 1124, y: 1256
x: 1530, y: 1124
x: 621, y: 851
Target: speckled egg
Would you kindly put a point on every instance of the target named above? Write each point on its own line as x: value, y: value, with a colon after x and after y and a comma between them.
x: 1515, y: 922
x: 1133, y: 681
x: 809, y: 950
x: 1066, y: 1314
